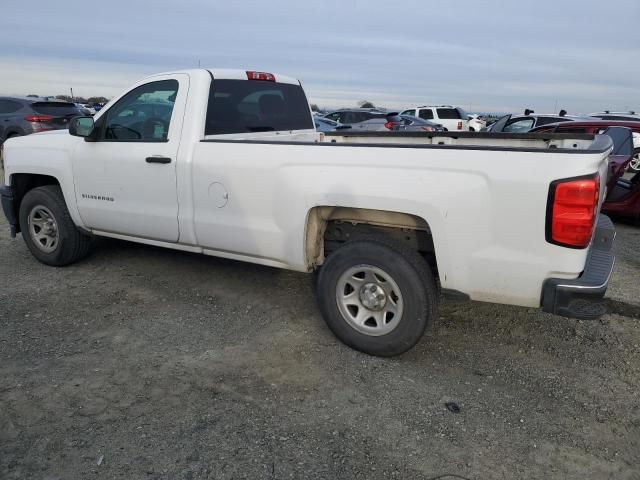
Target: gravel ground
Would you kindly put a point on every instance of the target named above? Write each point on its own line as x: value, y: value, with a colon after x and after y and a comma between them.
x: 147, y: 363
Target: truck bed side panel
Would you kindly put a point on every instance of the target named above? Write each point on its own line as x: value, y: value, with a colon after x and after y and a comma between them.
x: 486, y: 209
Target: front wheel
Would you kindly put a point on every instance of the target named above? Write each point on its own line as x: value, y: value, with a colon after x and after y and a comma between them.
x: 634, y: 165
x: 377, y: 296
x: 48, y: 230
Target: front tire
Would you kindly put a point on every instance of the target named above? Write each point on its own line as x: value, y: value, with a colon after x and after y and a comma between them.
x: 634, y: 165
x: 377, y: 296
x: 48, y: 230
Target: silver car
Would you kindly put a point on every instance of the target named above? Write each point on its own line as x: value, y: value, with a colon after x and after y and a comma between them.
x: 350, y: 116
x: 397, y: 123
x: 327, y: 125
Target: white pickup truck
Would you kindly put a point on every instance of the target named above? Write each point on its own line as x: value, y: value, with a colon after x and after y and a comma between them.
x: 227, y: 163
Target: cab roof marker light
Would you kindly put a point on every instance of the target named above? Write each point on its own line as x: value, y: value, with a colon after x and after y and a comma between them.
x: 264, y: 76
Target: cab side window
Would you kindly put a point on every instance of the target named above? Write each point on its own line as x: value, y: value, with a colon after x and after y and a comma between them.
x: 142, y: 115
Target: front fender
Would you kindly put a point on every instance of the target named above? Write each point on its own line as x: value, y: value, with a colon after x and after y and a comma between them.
x: 48, y: 154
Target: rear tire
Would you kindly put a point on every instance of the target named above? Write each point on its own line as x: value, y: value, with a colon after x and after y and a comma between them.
x: 48, y: 230
x: 377, y: 296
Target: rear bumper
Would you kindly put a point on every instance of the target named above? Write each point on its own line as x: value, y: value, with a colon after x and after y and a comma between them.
x: 581, y: 297
x: 9, y: 208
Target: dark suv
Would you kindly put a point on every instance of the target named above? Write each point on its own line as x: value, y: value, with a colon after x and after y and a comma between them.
x: 22, y: 116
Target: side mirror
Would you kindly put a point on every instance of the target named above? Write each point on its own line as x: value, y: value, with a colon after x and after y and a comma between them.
x: 81, y: 126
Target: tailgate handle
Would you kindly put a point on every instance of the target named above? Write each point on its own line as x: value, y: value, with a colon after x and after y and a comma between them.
x: 158, y: 160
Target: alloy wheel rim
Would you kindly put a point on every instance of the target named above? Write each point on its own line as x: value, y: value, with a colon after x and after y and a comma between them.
x: 43, y: 229
x: 369, y: 300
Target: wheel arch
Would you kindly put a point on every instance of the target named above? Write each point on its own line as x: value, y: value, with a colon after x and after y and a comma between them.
x: 327, y: 226
x: 21, y: 183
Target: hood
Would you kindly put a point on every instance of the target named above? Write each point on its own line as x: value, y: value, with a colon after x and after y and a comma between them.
x: 49, y: 138
x: 38, y: 151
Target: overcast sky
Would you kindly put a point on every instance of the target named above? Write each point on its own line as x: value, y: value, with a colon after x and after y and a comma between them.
x: 483, y: 55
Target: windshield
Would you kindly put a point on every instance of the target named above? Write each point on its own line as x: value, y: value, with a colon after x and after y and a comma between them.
x: 498, y: 126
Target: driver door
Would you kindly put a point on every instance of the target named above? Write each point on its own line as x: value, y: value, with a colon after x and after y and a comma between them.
x: 126, y: 174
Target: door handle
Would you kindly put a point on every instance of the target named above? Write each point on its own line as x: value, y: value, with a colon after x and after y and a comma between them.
x: 158, y: 160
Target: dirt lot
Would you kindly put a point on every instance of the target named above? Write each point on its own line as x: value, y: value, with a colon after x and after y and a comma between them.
x: 161, y: 364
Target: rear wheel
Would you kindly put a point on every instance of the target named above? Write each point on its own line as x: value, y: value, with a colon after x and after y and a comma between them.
x: 47, y: 227
x: 377, y: 296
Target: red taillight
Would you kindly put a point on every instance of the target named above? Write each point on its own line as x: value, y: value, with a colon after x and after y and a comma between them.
x: 267, y: 77
x: 389, y: 125
x: 459, y: 125
x: 39, y: 118
x: 572, y: 211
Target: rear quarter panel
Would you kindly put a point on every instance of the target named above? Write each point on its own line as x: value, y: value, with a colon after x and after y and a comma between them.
x: 486, y: 208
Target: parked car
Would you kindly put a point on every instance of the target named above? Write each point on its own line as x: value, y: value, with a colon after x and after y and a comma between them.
x: 327, y: 125
x: 397, y: 123
x: 451, y: 118
x: 22, y: 116
x: 623, y: 197
x: 523, y: 123
x: 349, y: 116
x: 389, y: 220
x: 595, y: 126
x: 476, y: 124
x: 324, y: 124
x: 86, y: 109
x: 630, y: 116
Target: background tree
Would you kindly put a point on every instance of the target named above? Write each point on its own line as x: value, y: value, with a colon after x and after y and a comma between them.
x: 366, y: 104
x: 32, y: 96
x: 314, y: 108
x: 97, y: 100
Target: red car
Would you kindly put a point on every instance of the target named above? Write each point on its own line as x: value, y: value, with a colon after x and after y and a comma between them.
x: 623, y: 197
x: 598, y: 126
